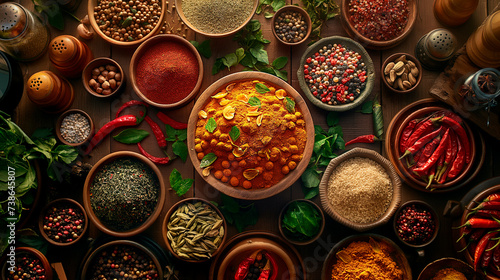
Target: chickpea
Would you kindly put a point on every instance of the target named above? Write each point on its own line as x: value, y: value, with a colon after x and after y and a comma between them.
x: 224, y: 179
x: 230, y: 157
x: 198, y: 148
x: 247, y: 184
x: 285, y: 170
x: 200, y: 156
x: 225, y: 164
x: 268, y: 176
x: 204, y: 144
x: 226, y: 172
x: 242, y: 163
x: 292, y: 140
x: 213, y: 142
x: 294, y: 149
x: 234, y: 181
x: 224, y: 137
x: 269, y: 165
x: 234, y: 164
x: 218, y: 174
x: 292, y: 165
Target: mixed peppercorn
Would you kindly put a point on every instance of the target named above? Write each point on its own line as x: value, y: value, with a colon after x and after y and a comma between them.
x: 335, y: 74
x: 290, y: 27
x: 63, y: 223
x: 415, y: 225
x: 27, y: 267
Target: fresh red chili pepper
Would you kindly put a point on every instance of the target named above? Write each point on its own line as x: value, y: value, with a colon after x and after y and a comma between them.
x: 460, y: 131
x: 495, y: 269
x: 423, y: 129
x: 459, y: 161
x: 492, y: 197
x: 481, y: 246
x: 126, y: 120
x: 269, y: 271
x: 481, y: 223
x: 421, y: 142
x: 488, y: 253
x: 436, y: 155
x: 129, y: 104
x: 451, y: 153
x: 430, y: 176
x: 496, y: 257
x: 440, y: 164
x: 173, y: 123
x: 477, y: 234
x: 243, y: 267
x: 488, y: 205
x: 157, y: 160
x: 363, y: 139
x: 160, y: 137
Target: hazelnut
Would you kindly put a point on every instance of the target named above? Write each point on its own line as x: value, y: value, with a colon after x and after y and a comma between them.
x: 101, y: 79
x: 92, y: 83
x: 111, y: 75
x: 107, y: 91
x: 105, y: 73
x: 101, y: 68
x: 105, y: 85
x: 118, y: 76
x: 96, y: 72
x: 111, y: 68
x: 112, y: 83
x: 99, y: 90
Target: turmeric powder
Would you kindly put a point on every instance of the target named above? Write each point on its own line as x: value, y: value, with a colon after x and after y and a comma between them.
x: 360, y: 260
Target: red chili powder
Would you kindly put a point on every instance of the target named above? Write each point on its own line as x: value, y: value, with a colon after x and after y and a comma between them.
x: 167, y: 72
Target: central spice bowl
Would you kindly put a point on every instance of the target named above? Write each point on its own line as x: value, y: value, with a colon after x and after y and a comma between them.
x: 147, y: 221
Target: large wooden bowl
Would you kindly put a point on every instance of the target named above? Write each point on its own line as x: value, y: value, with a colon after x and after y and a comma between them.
x: 434, y: 267
x: 373, y: 44
x: 238, y: 192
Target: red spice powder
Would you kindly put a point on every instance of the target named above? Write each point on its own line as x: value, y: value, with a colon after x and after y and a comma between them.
x: 167, y: 72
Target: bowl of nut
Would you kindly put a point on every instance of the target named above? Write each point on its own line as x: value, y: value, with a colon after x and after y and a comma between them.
x: 291, y: 25
x: 122, y: 24
x: 103, y: 77
x: 401, y: 73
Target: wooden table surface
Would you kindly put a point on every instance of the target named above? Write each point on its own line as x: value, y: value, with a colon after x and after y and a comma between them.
x: 29, y: 117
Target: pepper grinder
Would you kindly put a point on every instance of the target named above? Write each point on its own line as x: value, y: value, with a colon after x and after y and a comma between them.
x: 454, y: 12
x: 434, y: 49
x: 482, y: 46
x: 52, y: 93
x: 69, y: 55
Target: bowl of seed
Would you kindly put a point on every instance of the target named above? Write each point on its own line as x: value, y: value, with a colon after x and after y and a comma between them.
x: 194, y: 230
x: 63, y: 222
x: 74, y: 127
x: 401, y: 73
x: 291, y: 25
x: 103, y: 77
x: 126, y: 23
x: 216, y: 18
x: 360, y: 189
x: 124, y: 193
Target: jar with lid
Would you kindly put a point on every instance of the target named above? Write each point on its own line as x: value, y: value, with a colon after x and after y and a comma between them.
x: 480, y: 89
x: 22, y: 34
x: 11, y: 83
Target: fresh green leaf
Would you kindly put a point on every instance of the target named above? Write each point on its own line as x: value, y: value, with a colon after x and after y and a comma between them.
x: 335, y: 130
x: 18, y: 170
x: 260, y: 54
x: 278, y: 4
x: 173, y: 134
x: 367, y: 107
x: 318, y: 129
x: 131, y: 136
x: 178, y: 184
x: 180, y: 149
x: 175, y: 176
x: 289, y: 104
x: 207, y: 160
x: 203, y: 48
x: 310, y: 178
x: 211, y: 125
x: 42, y: 133
x: 246, y: 218
x: 311, y: 193
x: 234, y: 133
x: 248, y: 61
x: 218, y: 66
x: 319, y: 141
x: 7, y: 139
x: 230, y: 204
x: 282, y: 74
x: 65, y: 153
x: 268, y: 14
x: 28, y: 237
x: 339, y: 144
x: 332, y: 118
x: 280, y: 62
x: 230, y: 60
x: 240, y: 54
x: 254, y: 101
x: 301, y: 220
x: 261, y: 88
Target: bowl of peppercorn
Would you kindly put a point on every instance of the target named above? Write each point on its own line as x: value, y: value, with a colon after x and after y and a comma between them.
x: 123, y: 24
x: 416, y: 224
x: 23, y: 260
x: 336, y: 74
x: 291, y: 25
x: 63, y: 222
x: 74, y: 127
x: 378, y: 24
x: 103, y: 77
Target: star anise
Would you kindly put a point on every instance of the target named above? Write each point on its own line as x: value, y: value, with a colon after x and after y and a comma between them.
x: 487, y: 83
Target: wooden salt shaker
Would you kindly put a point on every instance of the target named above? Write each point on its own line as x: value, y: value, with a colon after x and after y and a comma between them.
x: 454, y: 12
x: 52, y: 93
x: 69, y: 55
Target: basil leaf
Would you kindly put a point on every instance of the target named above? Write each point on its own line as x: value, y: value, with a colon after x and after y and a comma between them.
x: 230, y: 60
x: 207, y: 160
x: 318, y: 129
x: 302, y: 219
x: 131, y: 136
x: 336, y: 130
x: 332, y: 118
x: 319, y: 141
x: 211, y: 125
x: 280, y: 62
x: 278, y: 4
x: 65, y: 153
x: 230, y: 203
x: 218, y: 66
x: 261, y: 88
x: 246, y: 218
x: 289, y: 104
x: 180, y: 149
x: 282, y: 74
x: 240, y: 54
x: 311, y: 193
x: 268, y: 14
x: 254, y: 101
x: 310, y: 178
x: 234, y: 133
x: 203, y: 48
x: 179, y: 185
x: 339, y: 144
x: 175, y: 177
x: 260, y: 54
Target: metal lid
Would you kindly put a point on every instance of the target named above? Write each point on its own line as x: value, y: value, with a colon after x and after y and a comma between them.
x: 13, y: 20
x: 440, y: 44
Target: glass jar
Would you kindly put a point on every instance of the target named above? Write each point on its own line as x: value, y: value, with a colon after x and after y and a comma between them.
x: 22, y: 34
x: 11, y: 83
x: 480, y: 89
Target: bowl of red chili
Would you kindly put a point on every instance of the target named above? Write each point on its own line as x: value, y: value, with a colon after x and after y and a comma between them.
x: 166, y: 71
x: 378, y: 24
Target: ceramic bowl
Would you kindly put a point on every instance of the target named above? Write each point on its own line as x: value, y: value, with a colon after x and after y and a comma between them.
x: 30, y: 253
x: 419, y: 205
x: 180, y: 12
x: 66, y: 204
x: 397, y: 255
x: 93, y: 22
x: 87, y: 76
x: 433, y: 268
x: 90, y: 178
x: 394, y: 57
x: 360, y: 153
x: 349, y: 43
x: 292, y: 9
x: 144, y: 48
x: 302, y: 240
x: 240, y: 192
x: 373, y: 44
x: 167, y: 231
x: 60, y: 120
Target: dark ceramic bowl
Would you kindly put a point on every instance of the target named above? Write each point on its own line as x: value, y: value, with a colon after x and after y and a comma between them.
x: 60, y: 120
x: 419, y: 205
x: 434, y: 267
x: 293, y: 239
x: 409, y: 57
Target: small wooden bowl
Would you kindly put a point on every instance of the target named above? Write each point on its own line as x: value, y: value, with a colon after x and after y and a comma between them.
x: 419, y: 204
x: 373, y: 44
x: 144, y: 47
x: 61, y: 118
x: 165, y: 230
x: 284, y: 232
x: 90, y: 178
x: 87, y: 76
x: 346, y: 42
x: 293, y: 9
x: 434, y: 267
x: 397, y: 254
x: 363, y: 153
x: 180, y: 12
x: 66, y: 203
x: 408, y: 57
x: 19, y: 252
x: 90, y: 9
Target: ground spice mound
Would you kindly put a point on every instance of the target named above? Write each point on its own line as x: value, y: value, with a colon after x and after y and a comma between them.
x: 366, y: 264
x: 449, y: 274
x: 360, y: 190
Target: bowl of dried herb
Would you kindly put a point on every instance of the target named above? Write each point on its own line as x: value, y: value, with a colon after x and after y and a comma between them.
x: 301, y: 222
x: 124, y: 194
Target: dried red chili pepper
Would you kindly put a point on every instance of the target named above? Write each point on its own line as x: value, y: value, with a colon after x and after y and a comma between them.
x: 421, y: 142
x: 496, y: 257
x: 243, y: 267
x: 157, y: 160
x: 423, y: 129
x: 435, y: 156
x: 492, y: 197
x: 481, y: 246
x: 459, y: 161
x: 130, y: 104
x: 126, y: 120
x: 440, y: 163
x: 407, y: 131
x: 160, y: 137
x: 488, y: 253
x: 269, y: 270
x: 173, y: 123
x: 460, y: 131
x: 488, y: 205
x: 363, y: 139
x: 451, y: 153
x: 487, y: 213
x: 427, y: 151
x: 481, y: 223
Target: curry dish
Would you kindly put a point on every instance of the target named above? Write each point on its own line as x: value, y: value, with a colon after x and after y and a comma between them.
x: 251, y: 134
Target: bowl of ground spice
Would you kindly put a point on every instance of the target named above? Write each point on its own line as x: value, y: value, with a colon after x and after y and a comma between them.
x: 123, y: 194
x: 216, y: 18
x: 378, y: 24
x: 360, y: 189
x: 250, y: 135
x: 366, y: 256
x: 449, y: 268
x: 166, y: 71
x: 74, y: 127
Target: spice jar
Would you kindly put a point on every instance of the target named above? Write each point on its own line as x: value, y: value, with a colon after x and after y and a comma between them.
x: 480, y: 89
x: 52, y: 93
x: 454, y: 12
x: 11, y: 82
x: 22, y: 34
x: 69, y: 55
x: 482, y: 46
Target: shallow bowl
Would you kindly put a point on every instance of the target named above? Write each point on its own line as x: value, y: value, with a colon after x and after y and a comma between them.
x: 434, y: 267
x: 351, y: 44
x: 96, y: 63
x: 420, y: 205
x: 285, y: 233
x: 361, y: 153
x: 292, y: 9
x: 409, y: 57
x: 61, y: 118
